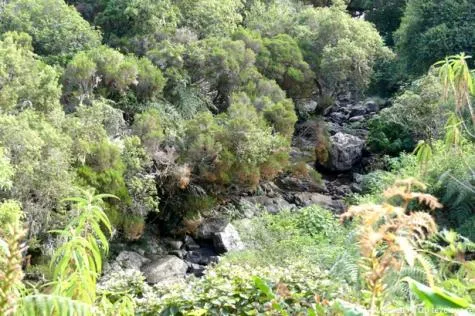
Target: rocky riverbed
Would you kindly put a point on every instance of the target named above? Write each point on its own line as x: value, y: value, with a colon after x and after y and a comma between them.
x: 169, y: 259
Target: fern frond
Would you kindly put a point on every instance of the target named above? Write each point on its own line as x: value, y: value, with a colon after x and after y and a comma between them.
x: 47, y: 305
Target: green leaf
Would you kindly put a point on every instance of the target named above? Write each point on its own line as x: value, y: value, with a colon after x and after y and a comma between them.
x: 436, y: 297
x: 263, y: 287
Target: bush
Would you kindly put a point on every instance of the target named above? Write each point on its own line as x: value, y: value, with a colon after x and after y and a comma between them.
x: 317, y: 222
x: 104, y: 171
x: 40, y: 155
x: 388, y: 137
x: 311, y: 234
x: 58, y: 30
x: 342, y: 51
x: 211, y: 17
x: 448, y: 176
x: 280, y: 59
x: 26, y: 81
x: 241, y: 289
x: 107, y: 73
x: 431, y: 30
x: 417, y: 114
x: 233, y: 148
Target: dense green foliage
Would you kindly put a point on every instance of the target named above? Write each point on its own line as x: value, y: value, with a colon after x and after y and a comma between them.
x: 58, y: 31
x: 173, y: 111
x: 417, y: 114
x: 431, y: 30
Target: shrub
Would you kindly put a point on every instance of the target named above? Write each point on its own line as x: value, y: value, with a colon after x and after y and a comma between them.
x: 281, y: 59
x: 415, y: 115
x: 104, y: 171
x: 211, y: 17
x: 425, y: 27
x: 238, y: 289
x: 233, y: 148
x: 58, y: 30
x: 106, y: 72
x: 342, y: 51
x: 27, y: 82
x: 311, y: 234
x: 388, y: 137
x: 40, y: 155
x: 317, y: 222
x: 448, y: 176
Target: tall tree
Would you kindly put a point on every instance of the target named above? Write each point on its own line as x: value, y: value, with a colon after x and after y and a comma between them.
x: 433, y: 29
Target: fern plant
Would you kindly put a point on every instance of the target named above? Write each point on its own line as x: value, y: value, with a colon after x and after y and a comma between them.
x: 389, y: 236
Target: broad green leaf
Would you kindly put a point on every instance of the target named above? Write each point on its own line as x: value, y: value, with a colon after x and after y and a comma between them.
x: 436, y: 297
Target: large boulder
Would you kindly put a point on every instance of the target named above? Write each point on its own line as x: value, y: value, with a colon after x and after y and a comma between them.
x: 345, y: 151
x: 306, y: 199
x: 358, y: 110
x: 209, y: 227
x: 227, y: 240
x: 131, y: 260
x: 164, y: 269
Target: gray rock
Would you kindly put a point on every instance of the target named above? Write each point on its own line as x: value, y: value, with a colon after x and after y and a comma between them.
x: 345, y: 151
x: 342, y: 190
x: 163, y: 269
x: 248, y: 208
x: 358, y: 118
x: 197, y: 269
x: 131, y: 260
x: 334, y: 128
x: 345, y: 96
x: 269, y: 189
x: 358, y: 178
x: 306, y: 199
x: 300, y: 184
x: 356, y: 188
x: 371, y: 106
x: 305, y: 151
x: 174, y: 244
x: 209, y: 227
x: 271, y: 205
x: 338, y: 117
x: 179, y: 253
x: 339, y: 206
x: 228, y: 240
x: 190, y: 243
x: 203, y: 256
x: 358, y: 110
x: 307, y: 107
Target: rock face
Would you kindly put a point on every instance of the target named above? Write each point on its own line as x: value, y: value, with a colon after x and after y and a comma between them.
x: 227, y: 240
x: 307, y: 198
x: 272, y: 205
x: 345, y: 151
x: 164, y: 269
x: 300, y: 184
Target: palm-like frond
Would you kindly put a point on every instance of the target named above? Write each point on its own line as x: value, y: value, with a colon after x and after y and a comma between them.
x: 47, y: 305
x: 77, y: 263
